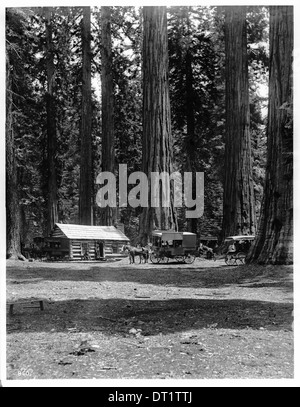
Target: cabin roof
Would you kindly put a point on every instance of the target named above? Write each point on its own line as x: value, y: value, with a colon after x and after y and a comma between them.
x: 88, y: 232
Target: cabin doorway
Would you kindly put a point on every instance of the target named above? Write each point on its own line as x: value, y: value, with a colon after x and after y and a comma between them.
x: 99, y: 250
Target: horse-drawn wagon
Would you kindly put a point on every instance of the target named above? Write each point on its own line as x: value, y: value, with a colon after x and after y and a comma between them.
x: 237, y: 248
x: 166, y: 245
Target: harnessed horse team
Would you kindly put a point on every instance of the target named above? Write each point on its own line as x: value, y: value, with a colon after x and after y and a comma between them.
x: 141, y: 252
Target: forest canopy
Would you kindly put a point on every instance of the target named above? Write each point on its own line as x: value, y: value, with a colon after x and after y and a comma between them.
x: 76, y: 80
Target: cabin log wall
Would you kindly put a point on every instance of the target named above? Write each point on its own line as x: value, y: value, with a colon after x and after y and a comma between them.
x: 109, y: 246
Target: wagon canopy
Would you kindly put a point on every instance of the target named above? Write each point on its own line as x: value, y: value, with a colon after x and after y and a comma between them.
x: 240, y: 237
x: 188, y: 239
x: 166, y: 235
x: 169, y: 235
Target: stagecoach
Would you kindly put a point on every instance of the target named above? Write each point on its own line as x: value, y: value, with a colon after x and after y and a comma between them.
x: 180, y: 246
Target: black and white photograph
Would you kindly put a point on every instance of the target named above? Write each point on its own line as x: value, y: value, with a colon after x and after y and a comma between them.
x: 148, y: 200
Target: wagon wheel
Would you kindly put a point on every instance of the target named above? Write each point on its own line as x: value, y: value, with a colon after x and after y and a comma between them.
x: 180, y: 259
x: 200, y: 256
x: 154, y: 258
x: 230, y: 260
x: 240, y: 258
x: 189, y: 258
x: 137, y: 259
x: 163, y: 259
x: 143, y: 259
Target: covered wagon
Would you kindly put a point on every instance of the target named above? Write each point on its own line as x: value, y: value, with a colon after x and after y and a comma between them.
x: 166, y: 245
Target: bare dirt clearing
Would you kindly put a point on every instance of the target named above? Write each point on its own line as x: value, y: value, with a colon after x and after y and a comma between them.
x: 119, y: 321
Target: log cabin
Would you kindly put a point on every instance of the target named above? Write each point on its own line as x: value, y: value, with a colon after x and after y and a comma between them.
x: 81, y: 242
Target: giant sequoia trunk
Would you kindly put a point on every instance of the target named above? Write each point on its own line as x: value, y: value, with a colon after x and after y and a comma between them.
x: 274, y: 242
x: 13, y: 245
x: 238, y: 201
x: 52, y: 217
x: 86, y: 176
x: 157, y: 140
x: 108, y: 214
x: 192, y: 224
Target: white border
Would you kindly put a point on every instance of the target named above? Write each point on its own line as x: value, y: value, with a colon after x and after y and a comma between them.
x: 149, y: 383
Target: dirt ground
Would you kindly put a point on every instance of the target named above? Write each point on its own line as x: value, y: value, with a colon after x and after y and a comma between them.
x: 112, y: 320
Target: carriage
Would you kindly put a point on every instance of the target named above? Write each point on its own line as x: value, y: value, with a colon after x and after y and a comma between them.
x: 180, y: 246
x: 242, y: 245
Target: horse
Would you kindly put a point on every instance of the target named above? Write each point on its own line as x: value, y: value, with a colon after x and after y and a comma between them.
x: 141, y: 252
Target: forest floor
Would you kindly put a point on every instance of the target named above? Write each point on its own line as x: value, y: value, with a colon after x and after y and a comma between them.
x: 112, y: 320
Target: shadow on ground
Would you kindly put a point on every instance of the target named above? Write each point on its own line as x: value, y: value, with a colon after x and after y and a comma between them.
x: 117, y: 316
x: 200, y: 274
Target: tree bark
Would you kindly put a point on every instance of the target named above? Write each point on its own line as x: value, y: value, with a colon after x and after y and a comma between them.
x: 52, y: 203
x: 192, y: 224
x: 238, y: 200
x: 274, y: 242
x: 86, y: 176
x: 13, y: 244
x: 107, y: 89
x: 157, y: 139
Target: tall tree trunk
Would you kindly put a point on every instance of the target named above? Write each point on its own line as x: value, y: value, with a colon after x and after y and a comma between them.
x: 274, y: 242
x: 108, y: 137
x: 13, y: 244
x: 192, y: 224
x: 238, y: 201
x: 157, y: 140
x: 86, y: 176
x: 52, y: 217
